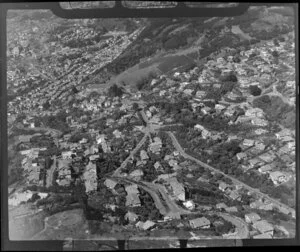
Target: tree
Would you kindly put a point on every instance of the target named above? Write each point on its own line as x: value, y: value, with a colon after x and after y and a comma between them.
x: 275, y: 41
x: 75, y: 90
x: 114, y: 91
x: 135, y: 106
x: 255, y: 90
x: 46, y: 105
x: 275, y: 54
x: 229, y: 78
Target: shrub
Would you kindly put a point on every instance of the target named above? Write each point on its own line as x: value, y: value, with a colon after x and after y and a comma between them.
x: 175, y: 42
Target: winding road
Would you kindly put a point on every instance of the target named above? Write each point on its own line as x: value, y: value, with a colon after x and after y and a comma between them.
x: 174, y: 211
x: 236, y: 181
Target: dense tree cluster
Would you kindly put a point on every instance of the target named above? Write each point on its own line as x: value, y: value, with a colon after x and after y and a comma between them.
x: 148, y: 210
x: 115, y: 91
x: 255, y: 90
x: 57, y: 121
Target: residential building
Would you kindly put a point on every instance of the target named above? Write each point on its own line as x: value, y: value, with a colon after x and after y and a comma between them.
x: 252, y: 217
x: 263, y: 236
x: 131, y: 216
x: 267, y: 157
x: 223, y: 186
x: 132, y: 198
x: 67, y: 154
x: 234, y: 195
x: 265, y: 168
x: 232, y: 209
x: 221, y: 206
x: 111, y: 184
x: 278, y: 177
x: 200, y: 223
x: 241, y: 155
x: 248, y: 142
x: 178, y: 189
x: 264, y: 227
x: 254, y: 162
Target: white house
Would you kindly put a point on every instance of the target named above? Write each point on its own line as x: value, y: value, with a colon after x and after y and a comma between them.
x: 66, y: 154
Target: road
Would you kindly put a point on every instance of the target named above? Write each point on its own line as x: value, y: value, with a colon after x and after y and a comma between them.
x: 132, y: 153
x: 242, y: 231
x: 50, y: 173
x: 56, y: 133
x: 182, y: 152
x: 241, y: 227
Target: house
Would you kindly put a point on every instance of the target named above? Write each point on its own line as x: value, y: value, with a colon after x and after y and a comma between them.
x: 266, y: 207
x: 144, y: 155
x: 132, y: 198
x: 265, y: 168
x: 137, y: 174
x: 278, y: 177
x: 267, y: 157
x: 221, y: 206
x: 145, y: 225
x: 219, y: 107
x: 148, y: 225
x: 111, y: 184
x: 67, y: 154
x: 177, y: 188
x: 287, y: 159
x: 189, y: 204
x: 264, y: 227
x: 283, y: 133
x: 252, y: 218
x: 259, y: 146
x: 93, y: 157
x: 232, y: 209
x: 263, y: 236
x: 200, y: 94
x: 241, y: 155
x: 259, y: 122
x: 25, y: 138
x: 291, y: 145
x: 19, y: 197
x: 131, y: 217
x: 206, y: 110
x: 83, y: 141
x: 248, y: 142
x: 223, y: 186
x: 260, y: 131
x: 287, y: 139
x: 253, y: 162
x: 234, y: 195
x: 200, y: 223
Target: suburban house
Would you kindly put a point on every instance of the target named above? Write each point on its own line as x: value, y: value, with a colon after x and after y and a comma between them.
x: 241, y: 155
x: 252, y: 217
x: 67, y: 154
x: 111, y: 184
x: 132, y: 198
x: 178, y: 189
x: 221, y: 205
x: 264, y: 227
x: 248, y: 142
x: 265, y: 168
x: 278, y: 177
x: 131, y: 216
x: 223, y: 186
x: 200, y: 223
